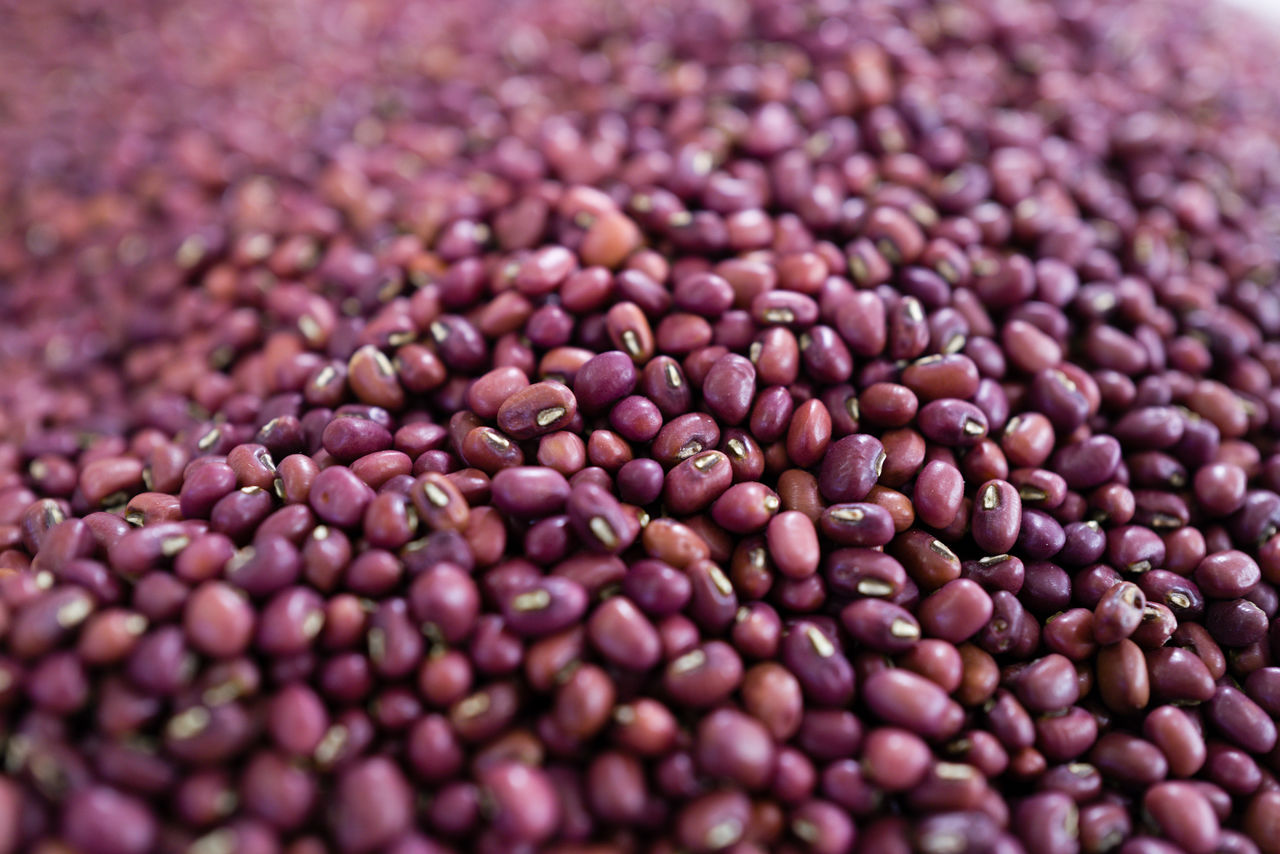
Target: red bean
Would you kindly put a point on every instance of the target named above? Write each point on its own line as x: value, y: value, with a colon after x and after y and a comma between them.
x: 602, y: 422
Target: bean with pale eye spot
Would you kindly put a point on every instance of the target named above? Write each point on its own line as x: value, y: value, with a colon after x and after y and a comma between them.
x: 880, y: 626
x: 697, y: 482
x: 704, y: 675
x: 850, y: 468
x: 952, y: 422
x: 857, y: 524
x: 1118, y: 613
x: 745, y: 508
x: 759, y: 428
x: 997, y: 516
x: 536, y: 410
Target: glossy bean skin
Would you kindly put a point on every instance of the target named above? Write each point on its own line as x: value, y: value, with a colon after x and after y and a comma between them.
x: 850, y: 468
x: 536, y: 410
x: 1123, y: 677
x: 956, y: 611
x: 782, y: 427
x: 793, y: 544
x: 1170, y: 729
x: 938, y: 492
x: 908, y: 700
x: 1118, y: 613
x: 857, y: 524
x: 1183, y: 815
x: 997, y: 516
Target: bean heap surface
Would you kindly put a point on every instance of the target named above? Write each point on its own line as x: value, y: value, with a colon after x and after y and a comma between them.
x: 589, y: 427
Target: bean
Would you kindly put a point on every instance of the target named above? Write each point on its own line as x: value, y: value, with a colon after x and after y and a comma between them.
x: 952, y: 422
x: 729, y: 387
x: 1227, y: 575
x: 1088, y: 463
x: 850, y: 468
x: 997, y: 514
x: 880, y: 625
x: 956, y: 611
x: 735, y: 747
x: 100, y: 818
x: 1123, y: 677
x: 823, y: 671
x: 703, y: 676
x: 1129, y: 759
x: 864, y: 572
x: 622, y: 634
x: 1241, y: 720
x: 809, y: 434
x: 541, y: 408
x: 697, y: 481
x: 1170, y: 729
x: 1048, y: 684
x: 793, y: 544
x: 938, y: 493
x: 713, y: 821
x: 1183, y: 815
x: 907, y: 700
x: 745, y: 508
x: 1118, y: 613
x: 338, y: 497
x: 604, y: 379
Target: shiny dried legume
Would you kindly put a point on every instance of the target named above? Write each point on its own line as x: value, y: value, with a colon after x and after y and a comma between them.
x: 721, y: 426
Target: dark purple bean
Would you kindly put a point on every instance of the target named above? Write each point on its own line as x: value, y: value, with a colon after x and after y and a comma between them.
x: 373, y: 805
x: 1085, y: 543
x: 881, y: 626
x: 1129, y: 759
x: 1182, y: 815
x: 268, y: 565
x: 952, y: 422
x: 1227, y: 575
x: 604, y: 380
x: 997, y: 515
x: 850, y: 468
x: 729, y: 387
x: 704, y: 676
x: 697, y: 481
x: 102, y: 820
x: 864, y: 572
x: 956, y: 611
x: 600, y: 521
x: 998, y: 572
x: 1118, y: 613
x: 1089, y: 463
x: 1048, y: 822
x: 819, y: 665
x: 1241, y: 720
x: 1237, y: 623
x: 905, y: 699
x: 1179, y: 594
x: 529, y: 492
x: 963, y: 832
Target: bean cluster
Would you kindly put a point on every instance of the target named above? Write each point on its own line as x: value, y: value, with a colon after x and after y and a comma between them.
x: 672, y: 427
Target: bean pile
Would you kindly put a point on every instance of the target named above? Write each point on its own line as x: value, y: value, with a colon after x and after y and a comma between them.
x: 593, y: 428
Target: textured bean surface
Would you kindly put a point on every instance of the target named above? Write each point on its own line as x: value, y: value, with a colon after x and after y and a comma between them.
x: 583, y: 427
